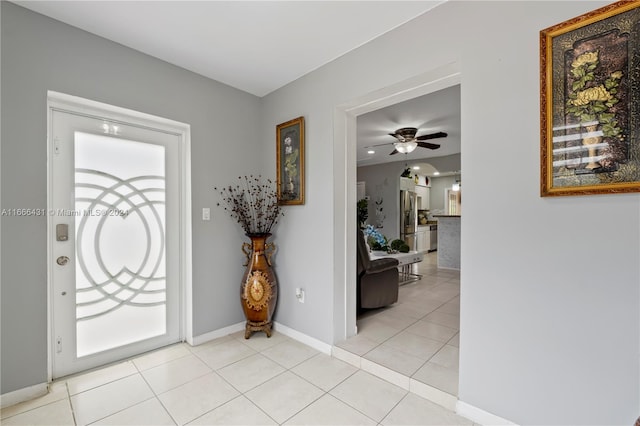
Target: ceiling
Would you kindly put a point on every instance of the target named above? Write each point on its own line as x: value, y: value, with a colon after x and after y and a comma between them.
x: 260, y: 46
x: 255, y: 46
x: 435, y: 112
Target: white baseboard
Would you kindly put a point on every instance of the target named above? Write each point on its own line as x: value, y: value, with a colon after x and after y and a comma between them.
x: 303, y: 338
x: 22, y: 395
x: 425, y: 391
x: 385, y: 373
x: 216, y: 334
x: 346, y: 356
x: 287, y: 331
x: 433, y: 394
x: 480, y: 416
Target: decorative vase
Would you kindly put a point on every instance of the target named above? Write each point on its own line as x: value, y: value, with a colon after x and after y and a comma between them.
x: 591, y: 142
x: 290, y: 185
x: 259, y: 289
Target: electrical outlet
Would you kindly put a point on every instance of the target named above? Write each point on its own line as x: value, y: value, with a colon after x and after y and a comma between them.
x: 206, y: 213
x: 300, y: 295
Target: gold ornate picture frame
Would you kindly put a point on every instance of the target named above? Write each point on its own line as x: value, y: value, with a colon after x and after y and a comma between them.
x: 590, y: 103
x: 290, y: 161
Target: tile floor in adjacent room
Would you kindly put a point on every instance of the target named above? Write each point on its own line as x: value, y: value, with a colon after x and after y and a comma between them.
x: 261, y: 381
x: 230, y: 381
x: 417, y: 337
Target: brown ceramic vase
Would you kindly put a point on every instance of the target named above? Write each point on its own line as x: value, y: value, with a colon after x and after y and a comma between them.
x: 259, y: 289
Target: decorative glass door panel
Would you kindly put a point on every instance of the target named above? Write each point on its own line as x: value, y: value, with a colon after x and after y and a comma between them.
x: 120, y: 242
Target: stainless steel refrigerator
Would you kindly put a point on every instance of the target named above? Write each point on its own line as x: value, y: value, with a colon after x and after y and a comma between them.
x: 409, y: 218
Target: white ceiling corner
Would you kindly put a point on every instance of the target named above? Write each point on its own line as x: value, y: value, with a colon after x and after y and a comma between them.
x: 255, y: 46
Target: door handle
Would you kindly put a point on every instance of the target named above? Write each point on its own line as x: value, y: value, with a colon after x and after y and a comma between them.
x: 62, y: 260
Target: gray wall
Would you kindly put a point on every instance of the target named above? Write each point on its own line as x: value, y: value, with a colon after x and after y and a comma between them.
x: 436, y: 195
x: 383, y: 181
x: 40, y: 54
x: 550, y: 323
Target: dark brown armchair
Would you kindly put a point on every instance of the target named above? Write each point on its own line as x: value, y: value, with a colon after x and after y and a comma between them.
x: 377, y: 279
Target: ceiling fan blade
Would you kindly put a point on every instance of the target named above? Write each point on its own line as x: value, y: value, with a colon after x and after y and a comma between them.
x: 398, y: 136
x: 428, y: 145
x: 432, y: 136
x: 395, y: 151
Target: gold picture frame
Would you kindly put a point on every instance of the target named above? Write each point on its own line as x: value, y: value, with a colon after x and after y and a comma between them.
x: 290, y: 161
x: 590, y: 103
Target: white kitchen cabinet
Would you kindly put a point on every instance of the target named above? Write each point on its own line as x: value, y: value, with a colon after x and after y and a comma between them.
x: 423, y: 238
x: 407, y: 184
x: 423, y: 193
x: 420, y: 241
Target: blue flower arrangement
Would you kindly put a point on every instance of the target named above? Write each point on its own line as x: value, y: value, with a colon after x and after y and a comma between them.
x: 375, y: 239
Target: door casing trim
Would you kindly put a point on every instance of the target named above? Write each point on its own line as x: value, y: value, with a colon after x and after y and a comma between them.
x: 344, y: 177
x: 77, y: 105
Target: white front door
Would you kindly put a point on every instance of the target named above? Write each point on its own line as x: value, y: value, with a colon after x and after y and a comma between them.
x: 114, y: 238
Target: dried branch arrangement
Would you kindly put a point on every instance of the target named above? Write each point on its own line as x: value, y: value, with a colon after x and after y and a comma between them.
x: 253, y: 203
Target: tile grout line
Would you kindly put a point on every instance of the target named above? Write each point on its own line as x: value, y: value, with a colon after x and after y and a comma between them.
x: 155, y: 395
x: 73, y: 412
x: 243, y: 394
x: 289, y: 370
x: 328, y: 392
x: 394, y: 407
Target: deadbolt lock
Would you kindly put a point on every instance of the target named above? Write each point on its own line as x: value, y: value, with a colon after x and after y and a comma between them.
x: 62, y: 260
x: 62, y: 232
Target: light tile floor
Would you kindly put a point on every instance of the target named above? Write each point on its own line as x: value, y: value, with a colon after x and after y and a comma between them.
x: 230, y: 381
x: 261, y: 381
x: 417, y: 337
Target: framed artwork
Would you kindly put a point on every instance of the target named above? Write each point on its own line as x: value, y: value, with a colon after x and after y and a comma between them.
x: 590, y: 103
x: 290, y: 161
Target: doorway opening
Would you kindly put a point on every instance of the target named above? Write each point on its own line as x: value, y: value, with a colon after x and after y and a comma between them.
x: 345, y: 223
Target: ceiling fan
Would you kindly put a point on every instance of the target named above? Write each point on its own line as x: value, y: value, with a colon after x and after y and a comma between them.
x: 407, y: 140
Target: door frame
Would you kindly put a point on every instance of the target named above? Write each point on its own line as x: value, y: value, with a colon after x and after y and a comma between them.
x: 344, y: 180
x: 74, y: 104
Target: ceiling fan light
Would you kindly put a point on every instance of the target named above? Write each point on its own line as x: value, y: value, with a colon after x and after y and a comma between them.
x: 406, y: 147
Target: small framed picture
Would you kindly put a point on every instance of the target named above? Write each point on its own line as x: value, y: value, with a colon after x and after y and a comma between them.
x: 290, y: 161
